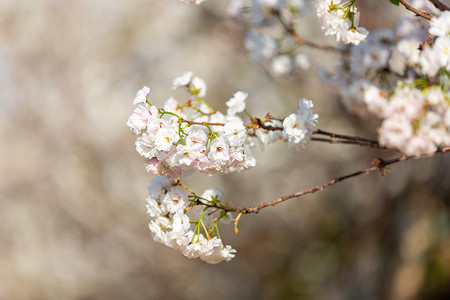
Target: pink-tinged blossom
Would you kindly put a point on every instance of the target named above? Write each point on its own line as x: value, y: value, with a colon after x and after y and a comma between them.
x: 161, y: 168
x: 140, y: 118
x: 175, y: 200
x: 219, y: 152
x: 395, y: 132
x: 235, y: 161
x: 202, y: 163
x: 375, y: 100
x: 196, y: 139
x: 419, y: 145
x: 406, y: 103
x: 171, y: 105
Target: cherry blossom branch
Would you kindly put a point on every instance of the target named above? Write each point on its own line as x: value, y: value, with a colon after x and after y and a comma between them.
x: 412, y: 9
x: 439, y: 5
x: 334, y: 138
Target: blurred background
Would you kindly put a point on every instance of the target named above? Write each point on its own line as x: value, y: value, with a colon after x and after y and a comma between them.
x: 73, y: 223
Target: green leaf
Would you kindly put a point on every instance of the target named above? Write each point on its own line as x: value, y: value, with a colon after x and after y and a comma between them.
x: 395, y: 2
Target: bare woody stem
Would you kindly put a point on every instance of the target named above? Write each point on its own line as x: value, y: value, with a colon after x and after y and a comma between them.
x: 378, y: 165
x: 342, y: 136
x: 417, y: 12
x: 349, y: 142
x: 439, y: 5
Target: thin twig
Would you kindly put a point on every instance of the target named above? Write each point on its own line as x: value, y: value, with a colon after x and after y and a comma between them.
x: 379, y: 165
x: 345, y: 137
x: 290, y: 29
x: 417, y: 12
x: 359, y: 143
x: 439, y: 5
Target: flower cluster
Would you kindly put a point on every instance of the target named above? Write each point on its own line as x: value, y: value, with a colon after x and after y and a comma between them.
x: 177, y: 225
x: 341, y: 19
x: 193, y: 136
x: 185, y: 136
x: 400, y: 77
x: 266, y: 39
x: 298, y: 128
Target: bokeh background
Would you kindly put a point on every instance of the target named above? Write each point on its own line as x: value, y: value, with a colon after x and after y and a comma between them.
x: 73, y: 223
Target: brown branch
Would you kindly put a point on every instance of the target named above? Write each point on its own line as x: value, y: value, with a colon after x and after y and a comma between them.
x: 379, y: 165
x: 417, y: 12
x: 345, y: 137
x: 362, y: 144
x: 439, y: 5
